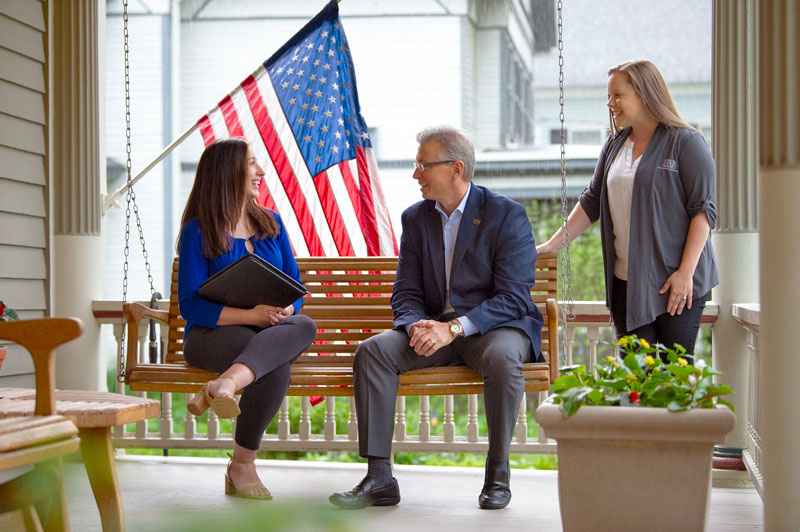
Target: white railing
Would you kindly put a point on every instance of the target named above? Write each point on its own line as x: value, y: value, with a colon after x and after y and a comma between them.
x: 749, y: 316
x: 591, y: 320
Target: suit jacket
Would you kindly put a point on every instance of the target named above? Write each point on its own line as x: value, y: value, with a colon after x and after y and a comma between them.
x: 492, y: 271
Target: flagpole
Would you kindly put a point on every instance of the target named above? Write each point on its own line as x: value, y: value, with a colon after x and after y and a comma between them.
x: 109, y: 200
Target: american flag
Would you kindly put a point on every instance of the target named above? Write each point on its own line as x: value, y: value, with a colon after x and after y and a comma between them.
x: 300, y: 112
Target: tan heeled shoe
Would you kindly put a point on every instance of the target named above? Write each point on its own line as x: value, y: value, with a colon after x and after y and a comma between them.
x: 200, y: 402
x: 224, y: 405
x: 252, y: 491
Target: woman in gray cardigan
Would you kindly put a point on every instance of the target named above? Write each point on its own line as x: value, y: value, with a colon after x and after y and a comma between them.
x: 654, y: 192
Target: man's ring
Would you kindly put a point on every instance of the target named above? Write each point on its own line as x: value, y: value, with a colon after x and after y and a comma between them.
x: 683, y: 298
x: 433, y: 342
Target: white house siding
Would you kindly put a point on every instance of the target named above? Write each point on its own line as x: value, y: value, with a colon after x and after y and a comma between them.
x: 147, y: 140
x: 599, y: 34
x: 23, y: 175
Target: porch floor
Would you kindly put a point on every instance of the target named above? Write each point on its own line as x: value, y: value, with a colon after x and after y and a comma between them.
x: 187, y: 494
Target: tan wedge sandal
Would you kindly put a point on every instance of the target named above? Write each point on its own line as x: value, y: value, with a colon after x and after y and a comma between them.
x: 252, y: 491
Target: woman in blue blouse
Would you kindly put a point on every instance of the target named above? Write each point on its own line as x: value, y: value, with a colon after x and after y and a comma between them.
x: 252, y: 348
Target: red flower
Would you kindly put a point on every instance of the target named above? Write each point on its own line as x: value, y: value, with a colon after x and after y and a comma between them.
x: 633, y: 397
x: 2, y: 309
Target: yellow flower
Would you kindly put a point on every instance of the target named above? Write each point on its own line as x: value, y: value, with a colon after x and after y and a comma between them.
x: 631, y: 377
x: 682, y: 361
x: 623, y: 342
x: 649, y: 360
x: 644, y: 343
x: 610, y: 358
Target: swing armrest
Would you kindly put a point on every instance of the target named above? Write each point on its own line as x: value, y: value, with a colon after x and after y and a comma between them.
x: 134, y: 313
x: 552, y: 337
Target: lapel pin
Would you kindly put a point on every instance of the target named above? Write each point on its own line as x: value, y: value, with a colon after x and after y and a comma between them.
x: 476, y: 221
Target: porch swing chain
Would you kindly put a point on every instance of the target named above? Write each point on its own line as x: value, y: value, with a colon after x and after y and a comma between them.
x: 130, y: 198
x: 564, y: 264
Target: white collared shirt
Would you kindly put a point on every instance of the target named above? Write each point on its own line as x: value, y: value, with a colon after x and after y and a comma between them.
x: 450, y: 226
x: 620, y: 191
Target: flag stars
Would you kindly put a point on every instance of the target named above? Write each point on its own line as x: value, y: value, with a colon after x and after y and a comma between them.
x: 328, y: 114
x: 336, y: 26
x: 323, y: 80
x: 279, y: 70
x: 326, y: 66
x: 311, y: 123
x: 333, y: 40
x: 305, y: 59
x: 324, y: 130
x: 317, y: 159
x: 347, y: 144
x: 321, y: 144
x: 347, y: 132
x: 315, y: 108
x: 335, y: 86
x: 337, y: 135
x: 284, y: 85
x: 309, y: 46
x: 325, y: 33
x: 364, y: 135
x: 292, y: 101
x: 304, y: 106
x: 300, y: 120
x: 316, y: 62
x: 332, y: 99
x: 307, y: 138
x: 300, y: 73
x: 334, y: 149
x: 341, y: 122
x: 320, y: 48
x: 330, y: 53
x: 290, y: 71
x: 295, y: 57
x: 318, y: 94
x: 308, y: 92
x: 312, y: 77
x: 296, y: 87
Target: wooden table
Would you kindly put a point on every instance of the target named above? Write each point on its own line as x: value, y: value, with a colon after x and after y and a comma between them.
x: 94, y: 413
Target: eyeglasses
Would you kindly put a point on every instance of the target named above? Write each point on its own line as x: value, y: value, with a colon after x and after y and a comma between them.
x: 423, y: 166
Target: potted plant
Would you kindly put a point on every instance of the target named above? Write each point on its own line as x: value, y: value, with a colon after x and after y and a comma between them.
x: 638, y: 457
x: 6, y: 314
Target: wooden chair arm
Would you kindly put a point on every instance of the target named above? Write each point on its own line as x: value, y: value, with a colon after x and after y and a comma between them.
x: 134, y: 313
x: 41, y: 337
x: 552, y: 337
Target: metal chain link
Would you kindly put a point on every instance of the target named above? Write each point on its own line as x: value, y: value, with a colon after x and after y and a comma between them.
x: 564, y: 263
x: 130, y: 198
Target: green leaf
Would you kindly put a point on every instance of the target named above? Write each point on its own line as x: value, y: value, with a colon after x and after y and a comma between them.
x: 575, y: 368
x: 595, y: 396
x: 726, y: 403
x: 565, y: 382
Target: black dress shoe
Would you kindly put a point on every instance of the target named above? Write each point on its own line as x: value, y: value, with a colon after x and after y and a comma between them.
x: 368, y: 493
x: 496, y: 492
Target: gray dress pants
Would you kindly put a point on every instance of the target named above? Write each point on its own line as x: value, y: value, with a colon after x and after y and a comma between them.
x: 496, y: 356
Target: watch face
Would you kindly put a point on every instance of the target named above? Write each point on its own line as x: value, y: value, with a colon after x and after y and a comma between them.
x: 455, y: 328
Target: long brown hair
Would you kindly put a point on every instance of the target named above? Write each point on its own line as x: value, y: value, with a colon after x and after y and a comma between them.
x: 651, y: 87
x: 217, y: 196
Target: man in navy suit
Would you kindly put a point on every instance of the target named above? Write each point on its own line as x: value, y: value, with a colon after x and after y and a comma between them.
x: 462, y: 296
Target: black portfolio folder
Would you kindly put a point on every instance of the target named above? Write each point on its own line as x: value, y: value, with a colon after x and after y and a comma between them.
x: 251, y: 281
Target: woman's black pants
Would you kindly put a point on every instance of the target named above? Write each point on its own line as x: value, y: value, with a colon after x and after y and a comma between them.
x: 267, y: 352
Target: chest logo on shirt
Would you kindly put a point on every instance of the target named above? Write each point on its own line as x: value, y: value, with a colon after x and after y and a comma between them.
x: 670, y: 165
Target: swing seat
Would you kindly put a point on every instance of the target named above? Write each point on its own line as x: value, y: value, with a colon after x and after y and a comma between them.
x: 350, y: 301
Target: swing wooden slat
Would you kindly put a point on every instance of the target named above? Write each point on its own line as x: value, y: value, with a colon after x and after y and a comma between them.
x: 349, y: 301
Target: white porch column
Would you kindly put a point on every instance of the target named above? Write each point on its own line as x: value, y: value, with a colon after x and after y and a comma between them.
x: 735, y: 148
x: 779, y: 218
x: 77, y: 169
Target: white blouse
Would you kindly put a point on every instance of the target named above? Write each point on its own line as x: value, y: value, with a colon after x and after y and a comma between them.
x: 620, y: 191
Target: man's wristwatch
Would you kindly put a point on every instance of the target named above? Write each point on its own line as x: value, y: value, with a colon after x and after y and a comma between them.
x: 455, y: 328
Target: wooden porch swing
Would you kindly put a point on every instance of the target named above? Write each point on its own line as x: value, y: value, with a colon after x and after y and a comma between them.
x: 350, y: 301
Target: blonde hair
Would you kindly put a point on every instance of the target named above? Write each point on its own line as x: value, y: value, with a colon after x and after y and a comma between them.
x: 650, y: 86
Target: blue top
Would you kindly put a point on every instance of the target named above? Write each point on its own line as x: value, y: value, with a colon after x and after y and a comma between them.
x: 194, y: 268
